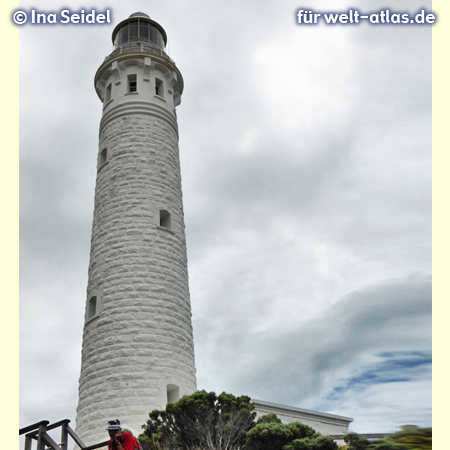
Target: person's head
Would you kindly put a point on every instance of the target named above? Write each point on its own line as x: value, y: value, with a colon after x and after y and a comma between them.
x: 113, y: 427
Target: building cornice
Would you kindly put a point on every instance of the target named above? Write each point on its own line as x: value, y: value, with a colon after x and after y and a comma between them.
x: 268, y: 407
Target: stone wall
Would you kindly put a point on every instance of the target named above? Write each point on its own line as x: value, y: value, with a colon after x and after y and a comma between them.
x: 138, y: 345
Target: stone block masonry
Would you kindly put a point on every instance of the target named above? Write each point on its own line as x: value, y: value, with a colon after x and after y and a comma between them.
x: 141, y: 335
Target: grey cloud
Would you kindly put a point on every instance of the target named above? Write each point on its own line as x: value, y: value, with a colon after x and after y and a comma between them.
x: 294, y: 366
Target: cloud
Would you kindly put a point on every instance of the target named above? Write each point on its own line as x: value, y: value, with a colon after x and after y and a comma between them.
x: 387, y: 406
x: 375, y: 336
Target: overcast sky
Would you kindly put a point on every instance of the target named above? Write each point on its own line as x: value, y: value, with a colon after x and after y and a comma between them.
x: 306, y: 170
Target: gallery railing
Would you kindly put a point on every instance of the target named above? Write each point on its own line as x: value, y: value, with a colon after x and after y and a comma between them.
x: 137, y: 46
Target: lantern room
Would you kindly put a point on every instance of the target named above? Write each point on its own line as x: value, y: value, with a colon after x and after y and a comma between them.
x: 140, y: 29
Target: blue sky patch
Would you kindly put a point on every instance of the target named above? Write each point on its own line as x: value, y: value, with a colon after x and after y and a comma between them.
x: 394, y: 367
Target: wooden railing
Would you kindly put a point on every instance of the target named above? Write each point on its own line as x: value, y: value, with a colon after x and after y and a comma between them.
x: 38, y: 432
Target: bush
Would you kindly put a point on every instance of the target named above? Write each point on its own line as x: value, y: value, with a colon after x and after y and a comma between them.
x: 293, y: 436
x: 268, y: 418
x: 355, y: 441
x: 268, y: 436
x: 408, y: 439
x: 312, y: 443
x: 385, y: 444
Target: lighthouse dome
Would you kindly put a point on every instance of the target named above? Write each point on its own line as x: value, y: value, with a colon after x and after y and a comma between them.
x: 139, y: 14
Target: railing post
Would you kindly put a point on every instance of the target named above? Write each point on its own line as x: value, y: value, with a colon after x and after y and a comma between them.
x: 64, y: 437
x: 28, y: 441
x: 40, y: 440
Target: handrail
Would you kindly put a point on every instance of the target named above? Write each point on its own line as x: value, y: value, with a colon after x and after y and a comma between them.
x: 32, y: 427
x: 58, y: 424
x: 49, y: 427
x: 140, y: 47
x: 38, y: 432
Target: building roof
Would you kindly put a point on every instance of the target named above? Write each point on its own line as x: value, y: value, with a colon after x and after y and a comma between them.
x: 264, y: 406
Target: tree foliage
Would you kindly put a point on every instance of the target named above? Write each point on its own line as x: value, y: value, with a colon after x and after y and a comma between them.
x: 413, y: 438
x: 385, y: 444
x: 203, y: 421
x: 268, y: 418
x: 293, y: 436
x: 318, y: 442
x: 355, y: 441
x: 408, y: 439
x: 268, y: 436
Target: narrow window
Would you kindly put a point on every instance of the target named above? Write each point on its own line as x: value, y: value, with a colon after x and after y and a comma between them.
x: 103, y: 156
x: 159, y: 87
x: 164, y: 219
x: 108, y: 93
x: 92, y: 307
x: 132, y: 83
x: 173, y: 393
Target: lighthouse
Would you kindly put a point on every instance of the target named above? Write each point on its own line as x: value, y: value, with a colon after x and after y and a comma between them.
x: 138, y: 351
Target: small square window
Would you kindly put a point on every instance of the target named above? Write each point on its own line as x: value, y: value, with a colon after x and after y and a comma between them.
x: 164, y: 219
x: 92, y: 307
x: 108, y: 93
x: 132, y: 83
x: 159, y: 87
x: 103, y: 156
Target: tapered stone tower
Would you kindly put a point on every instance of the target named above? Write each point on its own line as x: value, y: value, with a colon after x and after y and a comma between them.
x: 138, y: 349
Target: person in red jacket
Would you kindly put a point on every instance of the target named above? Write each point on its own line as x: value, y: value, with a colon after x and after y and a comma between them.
x: 121, y: 440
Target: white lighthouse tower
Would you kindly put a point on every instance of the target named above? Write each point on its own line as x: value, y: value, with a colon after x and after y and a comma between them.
x: 138, y: 349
